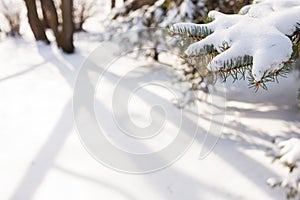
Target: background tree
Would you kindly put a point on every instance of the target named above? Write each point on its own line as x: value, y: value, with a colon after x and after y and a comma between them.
x: 10, y: 13
x: 50, y: 17
x: 35, y: 23
x: 66, y: 36
x: 113, y: 3
x: 63, y: 32
x: 82, y: 11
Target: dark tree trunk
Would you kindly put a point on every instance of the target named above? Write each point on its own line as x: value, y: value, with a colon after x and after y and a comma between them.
x: 113, y: 4
x: 50, y: 16
x: 66, y: 38
x: 35, y: 23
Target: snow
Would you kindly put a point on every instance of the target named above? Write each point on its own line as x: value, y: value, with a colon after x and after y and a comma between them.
x: 289, y: 183
x: 42, y: 156
x: 186, y: 9
x: 289, y: 151
x: 264, y: 37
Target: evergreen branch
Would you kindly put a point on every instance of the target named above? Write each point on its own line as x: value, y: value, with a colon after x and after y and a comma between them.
x: 240, y: 67
x: 206, y: 50
x: 235, y: 68
x: 270, y: 76
x: 224, y: 66
x: 188, y: 30
x: 296, y: 42
x: 197, y: 38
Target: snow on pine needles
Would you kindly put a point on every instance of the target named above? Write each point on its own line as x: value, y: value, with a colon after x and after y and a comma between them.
x: 258, y: 37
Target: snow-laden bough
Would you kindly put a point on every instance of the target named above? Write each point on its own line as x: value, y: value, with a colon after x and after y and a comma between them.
x: 257, y: 36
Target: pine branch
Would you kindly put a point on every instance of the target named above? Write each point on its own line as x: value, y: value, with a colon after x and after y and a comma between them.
x: 226, y: 37
x: 191, y: 31
x: 240, y: 67
x: 269, y: 77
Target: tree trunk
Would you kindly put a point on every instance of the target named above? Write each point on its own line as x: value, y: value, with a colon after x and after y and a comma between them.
x: 50, y: 16
x: 35, y: 23
x: 66, y: 37
x: 113, y: 4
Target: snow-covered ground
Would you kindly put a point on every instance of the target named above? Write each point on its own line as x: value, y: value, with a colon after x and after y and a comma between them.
x: 42, y: 156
